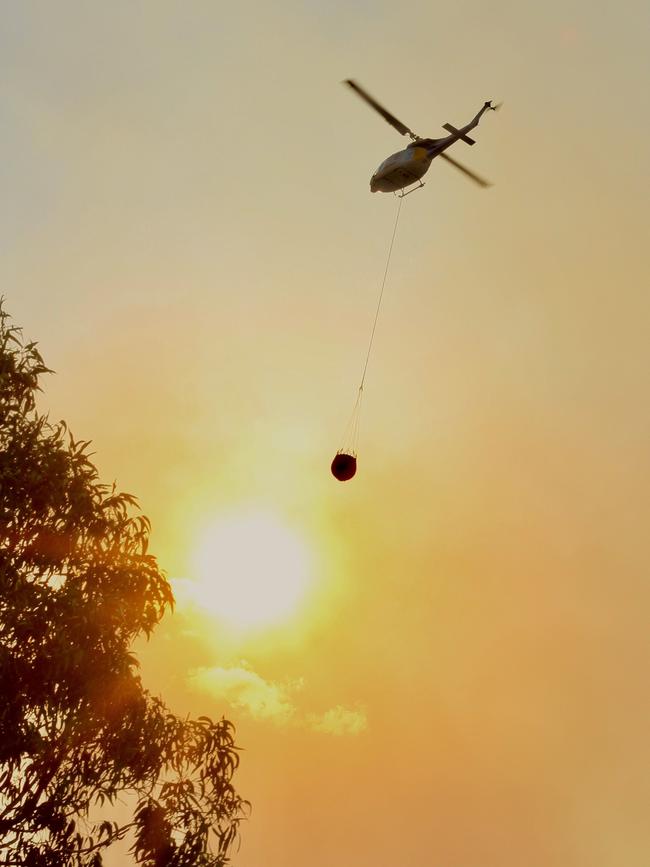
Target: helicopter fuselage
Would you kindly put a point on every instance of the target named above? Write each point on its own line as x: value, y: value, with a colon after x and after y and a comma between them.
x: 410, y: 165
x: 401, y: 169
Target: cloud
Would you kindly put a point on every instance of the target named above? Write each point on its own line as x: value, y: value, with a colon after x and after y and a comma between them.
x: 339, y: 721
x: 243, y: 688
x: 265, y: 700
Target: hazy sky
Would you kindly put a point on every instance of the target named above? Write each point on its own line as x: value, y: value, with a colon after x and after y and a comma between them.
x: 187, y: 230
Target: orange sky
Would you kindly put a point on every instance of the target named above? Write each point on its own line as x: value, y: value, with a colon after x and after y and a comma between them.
x: 186, y: 228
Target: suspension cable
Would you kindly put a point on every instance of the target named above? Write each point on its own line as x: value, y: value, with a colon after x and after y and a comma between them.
x: 381, y: 295
x: 351, y: 436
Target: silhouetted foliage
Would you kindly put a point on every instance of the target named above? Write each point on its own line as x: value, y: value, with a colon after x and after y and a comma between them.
x: 77, y: 729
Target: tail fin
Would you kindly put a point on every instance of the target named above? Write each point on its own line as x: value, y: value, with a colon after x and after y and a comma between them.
x: 452, y: 129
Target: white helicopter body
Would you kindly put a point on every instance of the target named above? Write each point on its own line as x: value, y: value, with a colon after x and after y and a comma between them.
x: 401, y: 170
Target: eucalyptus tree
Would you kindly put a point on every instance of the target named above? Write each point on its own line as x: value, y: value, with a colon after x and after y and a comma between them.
x: 78, y: 731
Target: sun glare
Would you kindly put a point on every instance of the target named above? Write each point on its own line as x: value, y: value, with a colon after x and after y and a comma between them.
x: 250, y: 570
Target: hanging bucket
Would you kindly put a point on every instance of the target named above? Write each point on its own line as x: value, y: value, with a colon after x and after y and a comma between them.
x: 344, y: 466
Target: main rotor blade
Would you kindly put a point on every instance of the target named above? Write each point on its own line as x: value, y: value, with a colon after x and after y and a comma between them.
x: 392, y: 120
x: 470, y: 174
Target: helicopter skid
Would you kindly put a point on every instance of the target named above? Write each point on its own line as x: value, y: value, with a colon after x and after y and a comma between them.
x: 405, y: 192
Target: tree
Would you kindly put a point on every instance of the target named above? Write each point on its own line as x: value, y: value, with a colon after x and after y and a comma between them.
x: 77, y: 728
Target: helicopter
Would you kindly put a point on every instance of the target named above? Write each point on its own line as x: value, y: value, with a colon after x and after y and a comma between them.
x: 408, y: 166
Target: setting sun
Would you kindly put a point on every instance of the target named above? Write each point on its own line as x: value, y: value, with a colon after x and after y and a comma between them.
x: 250, y: 570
